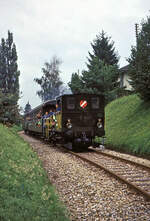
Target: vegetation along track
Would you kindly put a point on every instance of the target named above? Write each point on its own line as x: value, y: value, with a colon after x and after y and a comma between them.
x: 134, y: 174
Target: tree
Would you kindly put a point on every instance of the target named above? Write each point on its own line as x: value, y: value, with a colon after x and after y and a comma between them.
x: 9, y: 110
x: 139, y: 62
x: 76, y: 84
x: 9, y: 73
x: 102, y: 79
x: 27, y: 108
x: 9, y: 80
x: 104, y: 50
x: 50, y: 82
x: 102, y: 74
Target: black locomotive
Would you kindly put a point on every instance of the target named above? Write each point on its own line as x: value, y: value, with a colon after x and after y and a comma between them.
x: 73, y: 120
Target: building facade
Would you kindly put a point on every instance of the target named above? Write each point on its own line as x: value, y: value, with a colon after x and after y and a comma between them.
x: 124, y: 78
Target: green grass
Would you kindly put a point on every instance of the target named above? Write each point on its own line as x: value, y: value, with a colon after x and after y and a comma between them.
x: 128, y: 125
x: 16, y: 128
x: 25, y: 191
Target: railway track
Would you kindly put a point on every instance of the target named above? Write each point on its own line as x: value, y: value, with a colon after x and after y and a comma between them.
x: 136, y: 175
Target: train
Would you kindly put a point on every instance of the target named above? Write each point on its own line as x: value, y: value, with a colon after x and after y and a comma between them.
x: 73, y: 120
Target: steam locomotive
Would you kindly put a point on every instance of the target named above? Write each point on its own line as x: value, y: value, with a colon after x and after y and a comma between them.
x: 73, y: 120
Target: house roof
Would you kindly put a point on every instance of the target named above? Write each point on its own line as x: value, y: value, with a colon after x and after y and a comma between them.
x: 124, y: 68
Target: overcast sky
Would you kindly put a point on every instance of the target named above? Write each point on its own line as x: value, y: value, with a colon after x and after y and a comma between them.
x: 65, y: 28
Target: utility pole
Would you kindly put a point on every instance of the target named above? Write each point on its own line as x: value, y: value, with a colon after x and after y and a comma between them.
x: 136, y: 32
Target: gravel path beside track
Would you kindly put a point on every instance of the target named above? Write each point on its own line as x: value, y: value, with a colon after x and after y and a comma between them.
x: 89, y: 193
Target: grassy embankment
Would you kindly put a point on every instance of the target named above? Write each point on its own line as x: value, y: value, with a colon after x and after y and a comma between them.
x: 25, y: 191
x: 128, y: 125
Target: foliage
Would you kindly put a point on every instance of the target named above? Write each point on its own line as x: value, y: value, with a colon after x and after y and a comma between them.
x: 139, y: 68
x: 25, y: 191
x: 76, y: 84
x: 9, y: 74
x: 27, y: 108
x: 9, y: 110
x: 102, y: 74
x: 104, y: 50
x: 50, y: 82
x: 101, y: 79
x: 9, y: 81
x: 127, y: 127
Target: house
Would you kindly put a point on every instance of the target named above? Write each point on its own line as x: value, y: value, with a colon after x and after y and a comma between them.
x: 124, y: 78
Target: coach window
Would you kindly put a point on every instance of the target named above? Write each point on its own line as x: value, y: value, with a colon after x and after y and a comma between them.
x: 95, y: 102
x: 70, y: 103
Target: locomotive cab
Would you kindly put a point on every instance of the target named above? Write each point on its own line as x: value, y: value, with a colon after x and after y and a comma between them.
x: 82, y: 118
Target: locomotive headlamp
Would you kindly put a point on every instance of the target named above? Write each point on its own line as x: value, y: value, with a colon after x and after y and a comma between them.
x: 69, y: 124
x: 99, y: 123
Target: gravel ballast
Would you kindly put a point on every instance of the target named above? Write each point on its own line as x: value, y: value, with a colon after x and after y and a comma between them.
x: 89, y: 193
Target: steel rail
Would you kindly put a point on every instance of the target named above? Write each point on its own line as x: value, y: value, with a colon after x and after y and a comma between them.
x: 122, y: 158
x: 133, y: 186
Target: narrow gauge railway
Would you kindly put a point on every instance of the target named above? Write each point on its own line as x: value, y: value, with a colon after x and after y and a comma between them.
x: 136, y: 175
x: 88, y: 192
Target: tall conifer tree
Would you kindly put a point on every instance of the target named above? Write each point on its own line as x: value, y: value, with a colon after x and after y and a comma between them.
x: 9, y: 74
x: 103, y: 49
x: 9, y: 80
x: 139, y: 62
x: 102, y: 74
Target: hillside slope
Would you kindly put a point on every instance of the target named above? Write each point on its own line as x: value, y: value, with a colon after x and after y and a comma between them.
x: 25, y: 190
x: 128, y: 125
